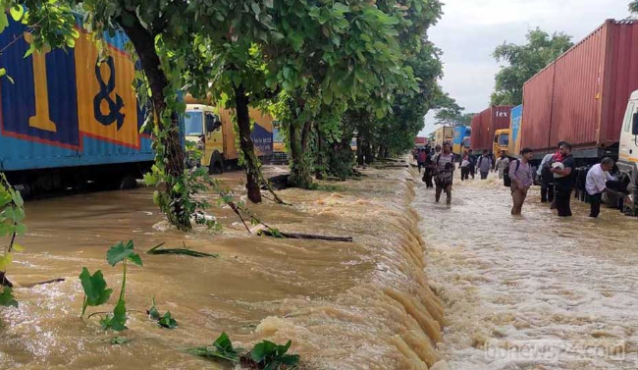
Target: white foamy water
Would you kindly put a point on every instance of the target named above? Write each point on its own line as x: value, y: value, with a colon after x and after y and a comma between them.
x: 534, y: 292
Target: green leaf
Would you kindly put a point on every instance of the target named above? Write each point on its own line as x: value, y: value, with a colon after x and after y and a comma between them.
x: 17, y: 199
x: 29, y: 51
x: 18, y: 247
x: 117, y: 320
x: 7, y: 299
x: 95, y: 290
x: 271, y: 356
x: 4, y: 21
x: 21, y: 229
x: 119, y: 340
x: 222, y: 349
x: 153, y: 312
x: 167, y: 321
x: 120, y: 252
x: 5, y: 261
x: 17, y: 12
x: 262, y: 350
x: 150, y: 179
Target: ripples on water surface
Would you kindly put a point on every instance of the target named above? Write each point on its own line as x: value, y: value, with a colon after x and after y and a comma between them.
x: 365, y: 305
x: 533, y: 283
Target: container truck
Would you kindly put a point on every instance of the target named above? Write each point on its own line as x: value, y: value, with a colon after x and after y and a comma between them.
x: 460, y: 143
x: 215, y: 127
x: 67, y: 121
x: 443, y: 134
x: 582, y: 98
x: 485, y: 125
x: 421, y: 141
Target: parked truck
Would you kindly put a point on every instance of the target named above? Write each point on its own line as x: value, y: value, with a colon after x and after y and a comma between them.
x: 443, y: 134
x: 485, y: 126
x: 461, y: 140
x: 582, y: 98
x: 66, y: 121
x: 213, y: 128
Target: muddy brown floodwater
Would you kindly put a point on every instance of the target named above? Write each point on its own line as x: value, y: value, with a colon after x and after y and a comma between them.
x: 361, y: 305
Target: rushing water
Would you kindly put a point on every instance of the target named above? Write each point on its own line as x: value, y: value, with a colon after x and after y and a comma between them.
x: 535, y: 292
x: 361, y: 305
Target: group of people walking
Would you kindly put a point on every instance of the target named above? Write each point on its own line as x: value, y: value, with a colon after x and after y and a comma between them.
x: 556, y: 173
x: 438, y: 169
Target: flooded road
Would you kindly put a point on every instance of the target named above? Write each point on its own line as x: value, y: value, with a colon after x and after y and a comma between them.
x: 535, y: 292
x: 361, y: 305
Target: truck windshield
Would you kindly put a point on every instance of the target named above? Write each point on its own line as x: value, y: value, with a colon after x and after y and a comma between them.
x: 503, y: 140
x: 193, y: 123
x: 276, y: 136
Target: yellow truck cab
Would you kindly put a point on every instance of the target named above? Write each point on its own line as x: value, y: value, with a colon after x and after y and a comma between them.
x: 212, y: 130
x: 501, y: 141
x: 204, y: 128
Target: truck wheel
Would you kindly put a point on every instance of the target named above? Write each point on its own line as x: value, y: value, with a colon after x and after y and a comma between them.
x: 630, y: 203
x: 127, y: 182
x: 216, y: 166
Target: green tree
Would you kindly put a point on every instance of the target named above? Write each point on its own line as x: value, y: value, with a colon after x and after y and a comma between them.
x: 524, y: 62
x: 449, y: 113
x: 633, y: 7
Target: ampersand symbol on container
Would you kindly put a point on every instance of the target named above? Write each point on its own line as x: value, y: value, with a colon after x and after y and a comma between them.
x: 105, y: 89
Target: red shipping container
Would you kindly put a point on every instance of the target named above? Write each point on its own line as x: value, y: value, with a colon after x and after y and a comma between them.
x: 484, y: 125
x: 581, y: 97
x: 537, y: 109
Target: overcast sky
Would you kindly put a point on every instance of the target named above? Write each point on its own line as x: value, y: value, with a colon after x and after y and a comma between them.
x: 470, y: 30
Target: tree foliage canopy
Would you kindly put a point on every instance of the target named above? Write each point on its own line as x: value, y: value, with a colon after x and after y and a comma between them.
x: 524, y: 62
x: 330, y: 69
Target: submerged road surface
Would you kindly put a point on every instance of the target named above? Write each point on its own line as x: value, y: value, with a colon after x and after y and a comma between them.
x: 534, y: 292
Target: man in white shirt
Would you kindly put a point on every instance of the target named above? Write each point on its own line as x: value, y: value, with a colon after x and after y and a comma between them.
x: 596, y: 184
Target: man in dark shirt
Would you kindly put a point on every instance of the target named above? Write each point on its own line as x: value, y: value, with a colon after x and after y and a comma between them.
x: 564, y: 181
x: 472, y: 163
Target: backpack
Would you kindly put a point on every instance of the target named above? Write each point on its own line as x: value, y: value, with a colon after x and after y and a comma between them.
x: 507, y: 181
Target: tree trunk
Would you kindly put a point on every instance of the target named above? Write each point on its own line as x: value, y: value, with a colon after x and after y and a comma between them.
x: 319, y: 167
x: 360, y: 161
x: 300, y: 170
x: 144, y: 43
x: 247, y: 145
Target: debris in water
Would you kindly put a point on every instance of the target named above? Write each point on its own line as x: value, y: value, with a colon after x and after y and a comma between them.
x: 180, y: 251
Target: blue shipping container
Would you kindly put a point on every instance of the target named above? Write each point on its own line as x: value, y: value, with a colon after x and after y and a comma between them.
x: 515, y: 130
x: 64, y: 110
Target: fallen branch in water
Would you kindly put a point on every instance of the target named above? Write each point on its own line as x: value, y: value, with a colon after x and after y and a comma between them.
x: 58, y: 280
x: 279, y: 234
x: 179, y: 251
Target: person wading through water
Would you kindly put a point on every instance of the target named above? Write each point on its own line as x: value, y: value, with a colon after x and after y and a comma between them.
x: 472, y: 159
x: 502, y: 165
x: 428, y: 174
x: 484, y: 165
x: 522, y: 177
x: 465, y: 167
x: 547, y: 177
x: 564, y: 180
x: 444, y: 172
x: 596, y: 184
x: 421, y: 157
